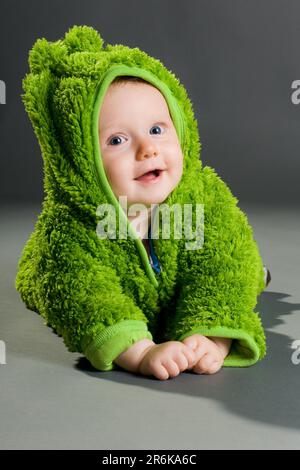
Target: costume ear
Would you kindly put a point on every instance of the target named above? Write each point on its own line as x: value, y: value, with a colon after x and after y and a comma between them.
x: 83, y: 39
x: 46, y: 55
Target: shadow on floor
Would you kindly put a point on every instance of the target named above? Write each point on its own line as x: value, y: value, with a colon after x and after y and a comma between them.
x: 266, y: 392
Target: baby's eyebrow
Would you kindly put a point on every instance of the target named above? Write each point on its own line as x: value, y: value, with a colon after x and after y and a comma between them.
x: 107, y: 128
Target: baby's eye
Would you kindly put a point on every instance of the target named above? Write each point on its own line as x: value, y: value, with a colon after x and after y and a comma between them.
x: 115, y: 140
x: 157, y: 128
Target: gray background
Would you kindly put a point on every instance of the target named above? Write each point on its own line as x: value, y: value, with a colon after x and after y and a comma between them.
x: 237, y: 60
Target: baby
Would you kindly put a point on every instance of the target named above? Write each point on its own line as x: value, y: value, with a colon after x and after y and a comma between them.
x: 137, y: 135
x: 115, y: 124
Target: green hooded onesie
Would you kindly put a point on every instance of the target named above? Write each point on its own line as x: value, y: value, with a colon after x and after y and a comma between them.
x: 103, y: 295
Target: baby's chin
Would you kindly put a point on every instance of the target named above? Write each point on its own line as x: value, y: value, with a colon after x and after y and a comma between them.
x: 146, y: 197
x: 148, y: 200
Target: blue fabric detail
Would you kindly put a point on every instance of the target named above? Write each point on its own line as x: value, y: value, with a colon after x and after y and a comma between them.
x: 153, y: 258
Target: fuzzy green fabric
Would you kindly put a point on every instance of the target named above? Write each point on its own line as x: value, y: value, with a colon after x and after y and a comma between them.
x: 102, y: 295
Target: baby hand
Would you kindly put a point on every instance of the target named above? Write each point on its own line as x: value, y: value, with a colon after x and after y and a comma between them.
x: 209, y: 356
x: 167, y: 360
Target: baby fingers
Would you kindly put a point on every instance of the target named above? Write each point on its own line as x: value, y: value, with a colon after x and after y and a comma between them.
x: 190, y: 358
x: 208, y: 364
x: 172, y: 368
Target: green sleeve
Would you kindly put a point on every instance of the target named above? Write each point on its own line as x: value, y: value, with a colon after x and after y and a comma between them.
x: 81, y: 297
x: 112, y: 341
x: 219, y: 283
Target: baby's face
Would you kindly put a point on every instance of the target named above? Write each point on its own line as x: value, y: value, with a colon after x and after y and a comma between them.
x: 136, y: 135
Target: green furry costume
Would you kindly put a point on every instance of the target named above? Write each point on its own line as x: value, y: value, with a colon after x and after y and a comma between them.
x: 103, y: 295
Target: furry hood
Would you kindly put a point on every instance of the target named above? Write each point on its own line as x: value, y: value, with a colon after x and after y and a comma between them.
x: 64, y: 91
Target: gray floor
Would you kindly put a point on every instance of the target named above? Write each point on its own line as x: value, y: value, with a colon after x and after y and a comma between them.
x: 51, y: 398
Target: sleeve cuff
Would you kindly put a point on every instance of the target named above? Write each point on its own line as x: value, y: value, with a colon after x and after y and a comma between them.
x: 244, y: 349
x: 103, y: 349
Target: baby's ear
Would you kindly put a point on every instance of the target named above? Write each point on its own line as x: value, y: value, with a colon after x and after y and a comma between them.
x: 47, y: 55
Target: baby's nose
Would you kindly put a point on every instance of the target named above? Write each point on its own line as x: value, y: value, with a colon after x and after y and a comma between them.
x: 147, y: 151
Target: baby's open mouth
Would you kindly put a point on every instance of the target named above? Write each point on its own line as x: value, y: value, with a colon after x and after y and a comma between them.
x: 153, y: 175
